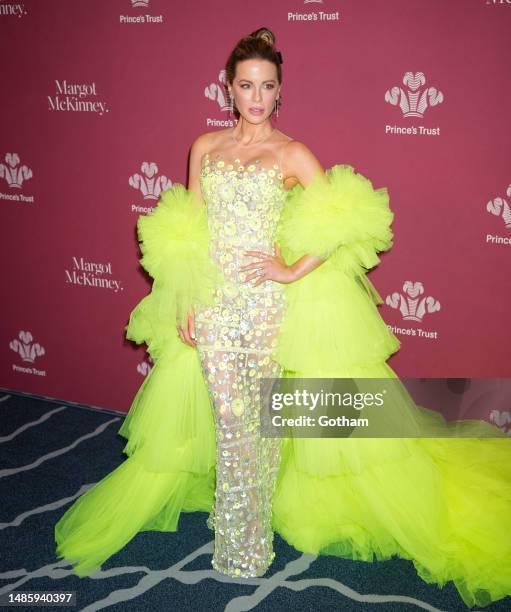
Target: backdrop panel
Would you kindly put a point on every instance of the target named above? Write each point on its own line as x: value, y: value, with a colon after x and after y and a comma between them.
x: 102, y: 100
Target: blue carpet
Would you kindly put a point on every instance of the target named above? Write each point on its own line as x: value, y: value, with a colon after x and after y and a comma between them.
x: 51, y: 451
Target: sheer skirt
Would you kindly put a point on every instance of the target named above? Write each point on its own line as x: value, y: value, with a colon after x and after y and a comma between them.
x: 235, y: 338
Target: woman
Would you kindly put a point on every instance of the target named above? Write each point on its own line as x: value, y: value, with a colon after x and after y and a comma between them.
x: 259, y: 272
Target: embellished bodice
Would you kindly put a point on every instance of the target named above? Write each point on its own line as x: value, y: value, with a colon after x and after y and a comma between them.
x: 244, y: 203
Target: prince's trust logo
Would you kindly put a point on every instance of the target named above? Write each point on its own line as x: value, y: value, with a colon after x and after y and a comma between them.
x: 14, y: 175
x: 314, y: 15
x: 413, y: 101
x: 76, y: 98
x: 502, y: 419
x: 413, y: 308
x: 217, y: 92
x: 149, y: 185
x: 144, y: 367
x: 28, y: 350
x: 92, y: 274
x: 140, y: 18
x: 500, y: 208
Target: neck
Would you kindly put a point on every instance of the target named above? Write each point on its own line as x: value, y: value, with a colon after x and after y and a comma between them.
x: 246, y: 133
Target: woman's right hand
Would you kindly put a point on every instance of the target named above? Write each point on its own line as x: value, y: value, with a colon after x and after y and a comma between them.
x: 187, y: 335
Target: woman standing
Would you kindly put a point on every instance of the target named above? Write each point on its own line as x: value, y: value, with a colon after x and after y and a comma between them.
x: 261, y: 262
x: 241, y: 174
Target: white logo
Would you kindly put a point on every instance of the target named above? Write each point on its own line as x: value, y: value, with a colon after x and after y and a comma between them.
x: 411, y: 307
x: 13, y: 174
x: 25, y: 348
x: 140, y: 17
x: 499, y: 207
x: 218, y: 92
x: 145, y: 367
x: 148, y: 184
x: 312, y: 15
x: 414, y: 101
x: 502, y: 419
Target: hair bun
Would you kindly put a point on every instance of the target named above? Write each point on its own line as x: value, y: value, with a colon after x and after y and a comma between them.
x: 265, y: 34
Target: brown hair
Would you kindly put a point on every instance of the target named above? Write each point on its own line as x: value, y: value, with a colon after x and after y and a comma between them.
x: 257, y: 45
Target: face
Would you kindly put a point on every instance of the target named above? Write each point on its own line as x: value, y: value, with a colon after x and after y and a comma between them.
x: 255, y: 87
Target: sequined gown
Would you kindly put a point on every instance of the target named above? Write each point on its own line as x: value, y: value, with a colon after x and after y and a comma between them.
x: 235, y: 337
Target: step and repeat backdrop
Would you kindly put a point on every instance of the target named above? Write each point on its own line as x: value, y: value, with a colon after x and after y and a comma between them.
x: 101, y: 101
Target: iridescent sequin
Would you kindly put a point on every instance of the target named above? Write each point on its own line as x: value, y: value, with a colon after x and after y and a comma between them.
x: 235, y: 339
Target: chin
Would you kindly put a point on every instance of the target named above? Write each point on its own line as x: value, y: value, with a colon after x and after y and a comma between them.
x: 255, y: 118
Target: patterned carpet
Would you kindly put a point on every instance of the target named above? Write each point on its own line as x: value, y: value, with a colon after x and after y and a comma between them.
x: 52, y: 451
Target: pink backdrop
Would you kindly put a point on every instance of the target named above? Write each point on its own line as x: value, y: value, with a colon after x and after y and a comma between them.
x: 100, y: 104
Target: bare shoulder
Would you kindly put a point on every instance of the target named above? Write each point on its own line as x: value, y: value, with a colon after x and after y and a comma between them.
x: 301, y: 164
x: 200, y: 146
x: 208, y: 141
x: 298, y: 151
x: 202, y: 142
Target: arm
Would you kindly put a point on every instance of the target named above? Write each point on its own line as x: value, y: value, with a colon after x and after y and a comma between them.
x: 199, y: 148
x: 340, y: 217
x: 335, y: 215
x: 304, y: 166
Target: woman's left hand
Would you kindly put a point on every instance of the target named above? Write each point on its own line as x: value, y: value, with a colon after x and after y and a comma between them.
x: 268, y: 267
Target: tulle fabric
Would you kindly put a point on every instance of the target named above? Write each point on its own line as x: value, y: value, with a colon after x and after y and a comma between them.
x: 170, y: 468
x: 174, y: 240
x: 171, y: 417
x: 339, y: 216
x: 443, y: 501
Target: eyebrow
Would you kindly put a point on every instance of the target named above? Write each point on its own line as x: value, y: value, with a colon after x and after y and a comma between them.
x: 267, y: 80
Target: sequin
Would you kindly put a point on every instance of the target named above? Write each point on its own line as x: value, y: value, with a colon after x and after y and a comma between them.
x: 235, y: 338
x: 237, y: 405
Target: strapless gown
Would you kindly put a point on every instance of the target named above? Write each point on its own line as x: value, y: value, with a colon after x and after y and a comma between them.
x: 193, y: 440
x: 236, y: 337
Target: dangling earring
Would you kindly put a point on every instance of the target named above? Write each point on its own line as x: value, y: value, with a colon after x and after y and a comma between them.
x: 231, y: 105
x: 276, y: 107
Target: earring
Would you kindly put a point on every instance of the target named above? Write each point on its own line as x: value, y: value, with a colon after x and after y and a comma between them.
x: 231, y: 106
x: 276, y: 106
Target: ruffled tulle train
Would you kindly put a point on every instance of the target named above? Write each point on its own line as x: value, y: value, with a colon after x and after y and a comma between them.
x: 440, y: 502
x: 443, y: 503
